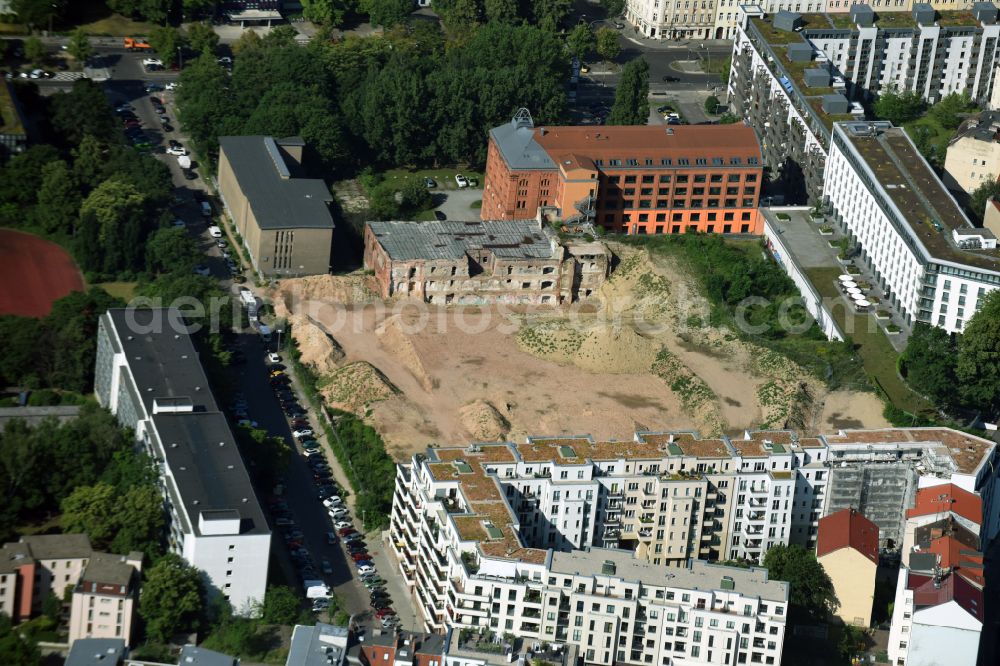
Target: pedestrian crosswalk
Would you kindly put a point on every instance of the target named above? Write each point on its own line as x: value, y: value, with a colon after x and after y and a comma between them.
x: 68, y: 76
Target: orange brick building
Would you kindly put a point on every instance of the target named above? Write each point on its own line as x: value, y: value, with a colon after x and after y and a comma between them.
x: 630, y: 179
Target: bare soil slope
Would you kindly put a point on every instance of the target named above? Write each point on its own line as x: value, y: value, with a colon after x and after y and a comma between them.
x: 642, y: 361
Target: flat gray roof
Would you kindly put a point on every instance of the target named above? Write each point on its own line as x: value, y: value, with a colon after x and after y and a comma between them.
x: 199, y: 445
x: 319, y: 645
x: 96, y: 652
x: 451, y: 239
x: 277, y: 202
x: 196, y: 656
x: 208, y: 469
x: 33, y: 416
x: 699, y: 575
x: 516, y: 142
x: 161, y: 357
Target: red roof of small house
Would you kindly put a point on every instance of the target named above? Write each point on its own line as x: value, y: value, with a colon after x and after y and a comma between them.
x: 947, y: 498
x: 847, y: 529
x: 950, y: 587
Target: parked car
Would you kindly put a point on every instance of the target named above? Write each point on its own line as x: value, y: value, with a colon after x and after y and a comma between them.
x: 385, y: 612
x: 176, y: 150
x: 461, y: 180
x: 202, y: 270
x: 337, y: 513
x: 326, y: 567
x: 331, y: 538
x: 246, y: 423
x: 360, y: 556
x: 299, y: 434
x: 345, y: 532
x: 273, y: 358
x: 430, y: 183
x: 390, y: 621
x: 365, y: 568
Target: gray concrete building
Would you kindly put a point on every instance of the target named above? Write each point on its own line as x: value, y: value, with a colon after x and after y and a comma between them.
x: 283, y: 218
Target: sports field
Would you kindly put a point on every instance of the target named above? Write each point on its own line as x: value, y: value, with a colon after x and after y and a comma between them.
x: 33, y: 273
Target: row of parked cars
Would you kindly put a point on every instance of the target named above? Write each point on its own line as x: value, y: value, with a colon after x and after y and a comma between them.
x: 329, y: 494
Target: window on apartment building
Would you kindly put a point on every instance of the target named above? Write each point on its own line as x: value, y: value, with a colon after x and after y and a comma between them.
x: 699, y: 178
x: 751, y: 178
x: 665, y: 178
x: 683, y: 178
x: 629, y: 180
x: 698, y: 191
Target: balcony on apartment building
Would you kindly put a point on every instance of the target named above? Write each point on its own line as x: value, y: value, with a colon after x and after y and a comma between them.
x: 646, y: 533
x: 616, y: 494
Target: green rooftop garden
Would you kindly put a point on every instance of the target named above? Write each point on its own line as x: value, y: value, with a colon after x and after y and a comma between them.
x: 895, y: 20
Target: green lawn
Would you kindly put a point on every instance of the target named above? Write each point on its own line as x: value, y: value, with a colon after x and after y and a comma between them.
x: 118, y: 26
x: 445, y: 177
x: 877, y: 354
x: 122, y: 290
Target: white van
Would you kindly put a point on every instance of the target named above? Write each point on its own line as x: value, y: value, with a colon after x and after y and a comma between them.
x: 206, y: 209
x: 215, y: 232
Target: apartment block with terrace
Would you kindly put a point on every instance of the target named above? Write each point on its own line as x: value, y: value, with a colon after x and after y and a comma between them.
x: 476, y: 527
x: 795, y: 74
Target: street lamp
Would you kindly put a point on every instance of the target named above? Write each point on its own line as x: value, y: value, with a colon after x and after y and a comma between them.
x: 180, y: 58
x: 279, y: 340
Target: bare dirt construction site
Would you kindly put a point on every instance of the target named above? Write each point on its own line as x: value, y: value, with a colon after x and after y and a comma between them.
x: 638, y: 359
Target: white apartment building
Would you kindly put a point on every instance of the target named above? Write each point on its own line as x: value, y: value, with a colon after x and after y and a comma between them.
x: 507, y: 536
x: 929, y: 52
x: 935, y: 267
x: 148, y: 375
x: 794, y: 75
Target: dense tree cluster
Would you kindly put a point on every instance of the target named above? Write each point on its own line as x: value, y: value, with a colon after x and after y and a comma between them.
x: 41, y: 466
x: 86, y: 188
x: 402, y: 98
x: 631, y: 106
x: 811, y: 596
x: 960, y: 371
x: 172, y: 598
x: 56, y: 350
x: 899, y: 107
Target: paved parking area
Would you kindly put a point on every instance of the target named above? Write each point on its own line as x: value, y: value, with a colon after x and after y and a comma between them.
x: 457, y: 204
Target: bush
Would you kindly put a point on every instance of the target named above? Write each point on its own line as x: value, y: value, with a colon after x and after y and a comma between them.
x: 711, y: 104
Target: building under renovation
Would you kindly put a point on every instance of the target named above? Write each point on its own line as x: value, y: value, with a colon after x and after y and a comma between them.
x: 476, y: 263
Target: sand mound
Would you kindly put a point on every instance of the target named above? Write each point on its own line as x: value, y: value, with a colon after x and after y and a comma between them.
x: 355, y: 386
x: 395, y: 340
x: 314, y: 294
x: 318, y: 349
x: 484, y: 422
x: 599, y: 348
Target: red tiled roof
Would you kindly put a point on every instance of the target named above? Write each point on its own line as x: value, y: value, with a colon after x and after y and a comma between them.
x: 947, y: 498
x: 951, y: 588
x: 649, y: 141
x: 953, y: 553
x: 847, y: 528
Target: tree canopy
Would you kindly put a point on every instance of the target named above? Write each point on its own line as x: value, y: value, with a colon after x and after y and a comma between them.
x: 978, y: 363
x: 811, y: 594
x: 631, y: 106
x: 40, y: 466
x: 171, y: 599
x: 401, y: 98
x: 899, y: 107
x: 608, y: 46
x: 929, y: 363
x: 981, y: 196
